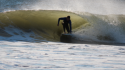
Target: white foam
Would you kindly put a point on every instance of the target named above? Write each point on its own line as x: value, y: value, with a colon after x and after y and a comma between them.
x: 109, y: 27
x: 20, y: 34
x: 57, y: 56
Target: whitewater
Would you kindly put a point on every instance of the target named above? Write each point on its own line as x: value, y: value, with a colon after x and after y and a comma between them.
x: 31, y: 40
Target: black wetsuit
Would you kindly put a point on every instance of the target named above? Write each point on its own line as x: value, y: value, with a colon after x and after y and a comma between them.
x: 65, y: 25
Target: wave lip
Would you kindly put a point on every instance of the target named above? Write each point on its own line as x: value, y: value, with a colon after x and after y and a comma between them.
x: 95, y: 7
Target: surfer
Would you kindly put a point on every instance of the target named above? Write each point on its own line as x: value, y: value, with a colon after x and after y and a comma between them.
x: 66, y: 23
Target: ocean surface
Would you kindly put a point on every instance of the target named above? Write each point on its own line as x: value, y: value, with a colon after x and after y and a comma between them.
x: 31, y: 40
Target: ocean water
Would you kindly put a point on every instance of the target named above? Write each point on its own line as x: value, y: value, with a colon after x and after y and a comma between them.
x: 31, y: 40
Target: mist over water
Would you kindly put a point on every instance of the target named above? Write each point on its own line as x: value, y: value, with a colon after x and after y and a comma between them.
x: 91, y: 6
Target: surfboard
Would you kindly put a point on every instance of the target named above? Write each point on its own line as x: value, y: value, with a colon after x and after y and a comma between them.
x: 66, y: 38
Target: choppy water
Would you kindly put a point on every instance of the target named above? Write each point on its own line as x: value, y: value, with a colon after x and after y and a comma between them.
x: 60, y: 56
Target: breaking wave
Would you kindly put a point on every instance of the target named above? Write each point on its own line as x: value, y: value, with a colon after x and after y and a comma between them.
x: 30, y: 20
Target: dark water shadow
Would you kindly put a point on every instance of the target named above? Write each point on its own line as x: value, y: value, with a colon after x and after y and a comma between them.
x: 70, y: 39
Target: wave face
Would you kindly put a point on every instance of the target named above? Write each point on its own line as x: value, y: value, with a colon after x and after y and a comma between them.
x: 40, y: 25
x: 36, y: 20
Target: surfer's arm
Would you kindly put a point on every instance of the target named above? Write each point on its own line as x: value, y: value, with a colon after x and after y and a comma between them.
x: 61, y: 19
x: 70, y: 23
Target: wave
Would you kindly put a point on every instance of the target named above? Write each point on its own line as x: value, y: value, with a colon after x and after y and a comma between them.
x: 36, y: 20
x: 35, y: 25
x: 42, y: 26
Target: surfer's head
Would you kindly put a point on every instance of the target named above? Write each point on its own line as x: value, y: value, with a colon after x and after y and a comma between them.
x: 68, y: 17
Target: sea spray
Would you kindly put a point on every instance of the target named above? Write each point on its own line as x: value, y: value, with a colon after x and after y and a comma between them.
x: 91, y: 6
x: 106, y: 28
